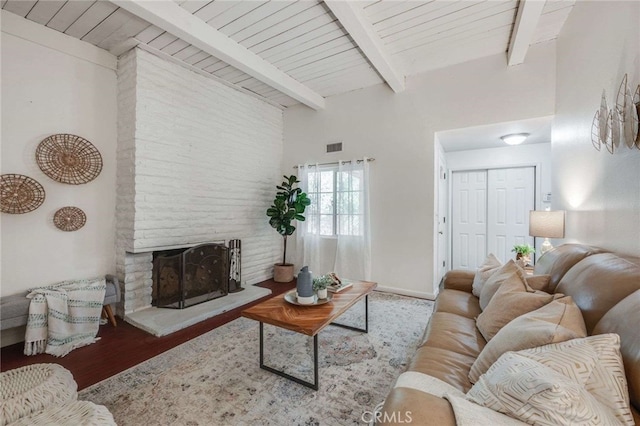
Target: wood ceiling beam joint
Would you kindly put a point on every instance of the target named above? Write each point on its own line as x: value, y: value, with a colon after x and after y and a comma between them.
x: 355, y: 23
x: 529, y: 12
x: 175, y: 20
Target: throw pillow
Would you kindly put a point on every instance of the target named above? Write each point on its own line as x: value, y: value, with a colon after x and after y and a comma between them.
x: 557, y: 321
x: 507, y: 272
x: 595, y: 363
x: 513, y: 298
x: 490, y: 265
x: 539, y: 282
x: 536, y: 394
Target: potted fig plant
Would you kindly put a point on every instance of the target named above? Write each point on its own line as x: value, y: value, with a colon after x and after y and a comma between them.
x: 288, y: 206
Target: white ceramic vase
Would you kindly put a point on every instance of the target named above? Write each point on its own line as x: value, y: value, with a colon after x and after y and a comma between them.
x: 322, y: 294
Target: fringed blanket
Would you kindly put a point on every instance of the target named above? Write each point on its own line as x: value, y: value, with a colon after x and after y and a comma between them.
x: 64, y: 316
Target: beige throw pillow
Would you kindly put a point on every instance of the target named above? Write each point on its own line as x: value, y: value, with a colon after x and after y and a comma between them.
x: 512, y: 299
x: 596, y: 364
x: 557, y: 321
x: 507, y: 272
x: 539, y: 282
x: 536, y: 394
x: 484, y: 272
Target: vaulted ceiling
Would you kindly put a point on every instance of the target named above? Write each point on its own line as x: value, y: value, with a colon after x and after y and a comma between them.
x: 291, y: 52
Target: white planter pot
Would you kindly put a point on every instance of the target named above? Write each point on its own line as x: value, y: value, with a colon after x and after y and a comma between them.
x: 322, y: 294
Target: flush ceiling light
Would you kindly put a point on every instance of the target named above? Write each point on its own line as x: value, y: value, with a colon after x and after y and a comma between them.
x: 515, y: 138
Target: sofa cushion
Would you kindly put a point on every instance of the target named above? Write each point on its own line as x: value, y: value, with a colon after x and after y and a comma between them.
x: 556, y: 321
x: 595, y: 363
x: 534, y: 393
x: 454, y: 333
x: 539, y: 282
x: 448, y: 366
x: 513, y: 298
x: 458, y: 302
x: 507, y: 273
x: 598, y: 282
x: 623, y: 319
x: 421, y: 405
x: 558, y: 261
x: 485, y: 271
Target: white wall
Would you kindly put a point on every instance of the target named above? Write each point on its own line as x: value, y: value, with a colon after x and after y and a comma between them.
x: 398, y: 130
x: 599, y: 43
x: 51, y: 84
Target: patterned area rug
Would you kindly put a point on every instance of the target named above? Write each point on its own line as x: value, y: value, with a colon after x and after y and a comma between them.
x: 215, y: 379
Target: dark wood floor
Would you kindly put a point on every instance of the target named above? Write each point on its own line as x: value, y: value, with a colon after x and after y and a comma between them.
x: 123, y: 346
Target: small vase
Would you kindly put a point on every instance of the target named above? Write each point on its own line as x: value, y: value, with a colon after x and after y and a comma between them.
x: 304, y: 286
x: 322, y: 294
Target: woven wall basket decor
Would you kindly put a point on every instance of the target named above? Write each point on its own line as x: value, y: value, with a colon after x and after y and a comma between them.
x: 20, y: 194
x: 69, y: 218
x: 69, y: 159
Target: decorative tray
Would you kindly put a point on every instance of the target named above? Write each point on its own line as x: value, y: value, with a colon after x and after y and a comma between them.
x: 292, y: 297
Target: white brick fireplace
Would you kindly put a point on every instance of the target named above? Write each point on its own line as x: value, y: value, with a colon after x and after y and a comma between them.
x: 197, y: 162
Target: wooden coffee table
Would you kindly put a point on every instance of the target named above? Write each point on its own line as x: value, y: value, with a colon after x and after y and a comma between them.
x: 309, y: 320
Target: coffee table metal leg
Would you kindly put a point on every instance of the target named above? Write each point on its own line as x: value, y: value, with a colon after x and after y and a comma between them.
x: 313, y: 385
x: 366, y: 319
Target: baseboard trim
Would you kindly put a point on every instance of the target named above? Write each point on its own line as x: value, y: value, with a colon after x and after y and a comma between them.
x: 403, y: 292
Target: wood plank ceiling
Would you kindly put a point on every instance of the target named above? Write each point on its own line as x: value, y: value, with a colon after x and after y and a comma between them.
x: 304, y: 39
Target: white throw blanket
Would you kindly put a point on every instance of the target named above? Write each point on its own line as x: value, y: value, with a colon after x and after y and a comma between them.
x: 467, y: 413
x: 64, y: 316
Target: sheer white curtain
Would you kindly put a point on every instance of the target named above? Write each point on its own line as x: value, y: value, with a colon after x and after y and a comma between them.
x: 307, y: 236
x: 353, y: 254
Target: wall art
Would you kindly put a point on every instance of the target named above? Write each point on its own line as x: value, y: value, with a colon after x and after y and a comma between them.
x: 69, y: 219
x: 20, y: 194
x: 69, y: 159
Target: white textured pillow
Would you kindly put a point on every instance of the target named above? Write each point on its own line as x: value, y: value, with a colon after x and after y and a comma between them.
x: 536, y: 394
x: 490, y: 265
x: 596, y: 364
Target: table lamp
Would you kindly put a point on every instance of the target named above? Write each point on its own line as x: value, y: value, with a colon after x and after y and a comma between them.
x: 546, y: 224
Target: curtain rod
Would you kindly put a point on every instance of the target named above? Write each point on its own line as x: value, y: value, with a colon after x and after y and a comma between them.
x: 336, y: 162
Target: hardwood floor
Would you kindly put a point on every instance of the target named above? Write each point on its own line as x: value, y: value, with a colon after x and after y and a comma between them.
x: 124, y: 346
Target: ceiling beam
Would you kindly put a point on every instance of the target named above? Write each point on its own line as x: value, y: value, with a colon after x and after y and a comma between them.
x: 529, y: 12
x: 360, y: 29
x: 175, y: 20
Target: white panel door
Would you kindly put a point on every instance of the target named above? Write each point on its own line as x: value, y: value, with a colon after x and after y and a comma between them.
x: 510, y: 197
x: 468, y: 219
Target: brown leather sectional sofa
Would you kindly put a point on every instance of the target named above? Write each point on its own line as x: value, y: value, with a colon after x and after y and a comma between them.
x: 599, y: 282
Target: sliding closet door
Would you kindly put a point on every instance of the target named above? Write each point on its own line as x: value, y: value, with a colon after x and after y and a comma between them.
x: 490, y: 214
x: 468, y: 223
x: 511, y: 194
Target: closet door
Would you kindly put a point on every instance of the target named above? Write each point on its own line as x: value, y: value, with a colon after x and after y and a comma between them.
x: 468, y: 221
x: 511, y: 194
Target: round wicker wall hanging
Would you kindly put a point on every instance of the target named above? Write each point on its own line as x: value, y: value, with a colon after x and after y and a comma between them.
x: 69, y: 159
x: 20, y: 194
x: 69, y: 219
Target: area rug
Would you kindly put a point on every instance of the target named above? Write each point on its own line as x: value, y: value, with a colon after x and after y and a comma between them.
x: 215, y: 379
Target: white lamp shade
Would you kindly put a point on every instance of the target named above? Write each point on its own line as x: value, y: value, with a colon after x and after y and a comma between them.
x: 547, y: 224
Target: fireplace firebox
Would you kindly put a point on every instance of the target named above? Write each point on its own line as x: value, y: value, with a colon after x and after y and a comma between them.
x: 186, y: 277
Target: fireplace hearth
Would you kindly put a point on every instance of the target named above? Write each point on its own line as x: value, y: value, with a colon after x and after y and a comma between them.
x: 187, y: 277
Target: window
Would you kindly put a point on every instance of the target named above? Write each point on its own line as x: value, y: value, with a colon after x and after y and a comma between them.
x: 336, y: 202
